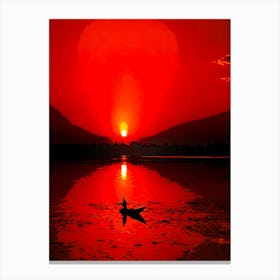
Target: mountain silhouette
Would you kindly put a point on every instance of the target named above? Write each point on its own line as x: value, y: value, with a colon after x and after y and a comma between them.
x: 62, y: 131
x: 214, y: 129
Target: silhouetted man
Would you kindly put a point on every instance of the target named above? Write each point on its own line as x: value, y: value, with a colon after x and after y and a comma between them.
x: 124, y: 203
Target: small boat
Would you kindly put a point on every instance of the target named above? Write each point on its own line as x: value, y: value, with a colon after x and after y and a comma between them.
x: 133, y: 213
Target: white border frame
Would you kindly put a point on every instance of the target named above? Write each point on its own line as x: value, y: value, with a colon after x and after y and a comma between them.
x: 24, y: 138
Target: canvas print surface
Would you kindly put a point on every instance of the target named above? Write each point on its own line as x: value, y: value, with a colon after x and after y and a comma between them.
x: 139, y: 140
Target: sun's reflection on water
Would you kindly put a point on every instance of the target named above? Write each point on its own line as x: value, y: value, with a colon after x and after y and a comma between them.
x: 124, y: 171
x: 124, y: 168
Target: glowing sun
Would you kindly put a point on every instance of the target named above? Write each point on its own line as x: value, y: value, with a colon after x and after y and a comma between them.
x: 123, y: 129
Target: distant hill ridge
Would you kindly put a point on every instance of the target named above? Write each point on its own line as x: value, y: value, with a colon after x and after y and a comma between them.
x: 62, y: 131
x: 214, y: 129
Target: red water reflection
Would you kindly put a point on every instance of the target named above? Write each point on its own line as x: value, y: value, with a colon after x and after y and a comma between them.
x: 89, y: 224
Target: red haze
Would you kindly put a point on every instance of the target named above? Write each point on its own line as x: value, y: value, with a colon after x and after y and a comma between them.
x: 151, y: 74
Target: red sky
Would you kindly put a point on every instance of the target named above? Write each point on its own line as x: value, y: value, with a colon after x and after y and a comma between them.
x: 151, y: 74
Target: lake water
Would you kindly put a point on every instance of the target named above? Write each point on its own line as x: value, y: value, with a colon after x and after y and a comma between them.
x: 186, y: 215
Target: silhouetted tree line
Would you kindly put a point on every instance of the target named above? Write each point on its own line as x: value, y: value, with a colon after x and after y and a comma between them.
x: 109, y: 150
